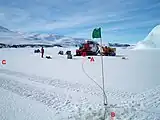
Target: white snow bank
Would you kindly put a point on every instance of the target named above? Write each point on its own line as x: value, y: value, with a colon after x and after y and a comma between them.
x: 151, y: 41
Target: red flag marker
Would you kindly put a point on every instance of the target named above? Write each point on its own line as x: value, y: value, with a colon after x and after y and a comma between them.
x: 92, y: 59
x: 3, y: 62
x: 84, y: 54
x: 113, y: 115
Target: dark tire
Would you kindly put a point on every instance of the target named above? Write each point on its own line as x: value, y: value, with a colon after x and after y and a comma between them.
x: 91, y: 53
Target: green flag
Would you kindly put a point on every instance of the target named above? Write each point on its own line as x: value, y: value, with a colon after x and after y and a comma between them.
x: 96, y: 33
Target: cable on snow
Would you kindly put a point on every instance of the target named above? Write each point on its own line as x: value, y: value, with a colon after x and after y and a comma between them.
x: 97, y: 85
x: 84, y: 71
x: 93, y: 80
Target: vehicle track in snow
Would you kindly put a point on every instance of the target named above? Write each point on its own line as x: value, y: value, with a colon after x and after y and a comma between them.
x: 70, y: 86
x: 60, y: 102
x: 149, y: 99
x: 146, y: 95
x: 142, y: 105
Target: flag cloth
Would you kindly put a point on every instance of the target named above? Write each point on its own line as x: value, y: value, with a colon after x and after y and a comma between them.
x: 96, y: 33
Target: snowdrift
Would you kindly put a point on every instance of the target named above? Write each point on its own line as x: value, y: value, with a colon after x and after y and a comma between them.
x: 151, y: 41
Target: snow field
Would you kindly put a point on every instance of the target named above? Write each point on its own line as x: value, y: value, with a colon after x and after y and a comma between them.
x: 131, y: 85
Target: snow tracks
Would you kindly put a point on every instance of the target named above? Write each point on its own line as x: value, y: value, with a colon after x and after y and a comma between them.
x: 51, y: 92
x: 144, y: 105
x: 137, y: 106
x: 76, y: 87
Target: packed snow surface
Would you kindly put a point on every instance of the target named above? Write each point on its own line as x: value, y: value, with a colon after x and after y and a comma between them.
x: 35, y: 88
x: 151, y: 41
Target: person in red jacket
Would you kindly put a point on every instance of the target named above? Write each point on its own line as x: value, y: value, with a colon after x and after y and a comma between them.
x: 42, y: 52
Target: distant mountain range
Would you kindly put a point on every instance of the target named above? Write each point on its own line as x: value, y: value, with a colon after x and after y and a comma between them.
x: 3, y: 29
x: 10, y: 38
x: 118, y: 45
x: 17, y: 38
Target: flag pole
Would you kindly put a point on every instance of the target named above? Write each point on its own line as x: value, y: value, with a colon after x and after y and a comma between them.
x: 102, y: 70
x: 97, y: 34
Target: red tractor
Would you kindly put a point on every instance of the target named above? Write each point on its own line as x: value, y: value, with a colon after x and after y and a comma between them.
x: 89, y: 48
x: 93, y: 48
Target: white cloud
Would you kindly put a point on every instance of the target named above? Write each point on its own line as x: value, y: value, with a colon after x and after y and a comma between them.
x: 82, y: 33
x: 80, y: 15
x: 62, y: 23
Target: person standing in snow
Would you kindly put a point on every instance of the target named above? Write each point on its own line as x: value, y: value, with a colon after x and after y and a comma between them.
x: 42, y: 52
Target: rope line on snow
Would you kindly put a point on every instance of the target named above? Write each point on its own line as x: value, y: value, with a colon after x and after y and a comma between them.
x: 84, y: 71
x: 104, y: 94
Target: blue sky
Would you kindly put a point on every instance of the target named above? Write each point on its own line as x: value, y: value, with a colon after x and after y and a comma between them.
x: 120, y: 20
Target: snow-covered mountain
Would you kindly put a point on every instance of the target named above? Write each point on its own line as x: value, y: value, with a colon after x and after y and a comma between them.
x: 43, y: 37
x: 12, y: 37
x: 55, y: 39
x: 3, y: 29
x: 151, y: 41
x: 18, y: 38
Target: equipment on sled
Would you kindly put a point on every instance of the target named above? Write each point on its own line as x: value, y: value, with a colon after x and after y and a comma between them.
x: 69, y: 55
x: 48, y: 57
x: 108, y: 51
x: 93, y: 48
x: 60, y: 53
x: 37, y: 51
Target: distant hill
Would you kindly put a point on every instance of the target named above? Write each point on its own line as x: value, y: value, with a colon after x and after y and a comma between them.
x: 10, y: 38
x: 17, y: 38
x: 118, y: 45
x: 3, y: 29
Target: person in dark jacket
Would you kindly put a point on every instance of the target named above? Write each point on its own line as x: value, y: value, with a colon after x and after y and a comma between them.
x: 42, y: 52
